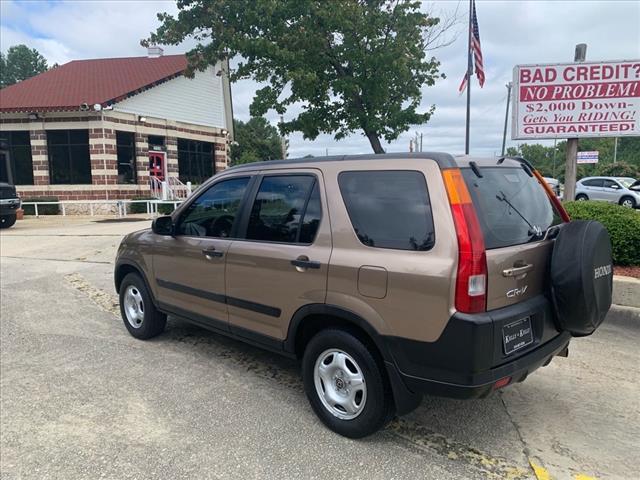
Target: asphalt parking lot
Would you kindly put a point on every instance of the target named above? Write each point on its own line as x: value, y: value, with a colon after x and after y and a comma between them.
x: 80, y: 398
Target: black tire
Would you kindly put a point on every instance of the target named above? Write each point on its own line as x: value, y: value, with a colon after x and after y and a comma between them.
x: 581, y: 197
x: 7, y: 221
x: 378, y: 408
x: 629, y: 202
x: 153, y: 322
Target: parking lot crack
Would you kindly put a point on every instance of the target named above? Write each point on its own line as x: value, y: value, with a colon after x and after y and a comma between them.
x: 533, y: 463
x: 423, y: 438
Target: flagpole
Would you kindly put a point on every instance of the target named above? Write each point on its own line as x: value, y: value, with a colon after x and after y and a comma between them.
x: 469, y: 73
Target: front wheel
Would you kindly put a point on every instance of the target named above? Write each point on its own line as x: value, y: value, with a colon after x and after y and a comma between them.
x: 7, y: 221
x: 346, y: 384
x: 627, y: 202
x: 582, y: 197
x: 139, y: 314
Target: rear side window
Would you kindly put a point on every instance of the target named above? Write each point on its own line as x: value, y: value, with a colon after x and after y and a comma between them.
x: 597, y: 182
x: 389, y: 209
x: 512, y: 207
x: 284, y: 203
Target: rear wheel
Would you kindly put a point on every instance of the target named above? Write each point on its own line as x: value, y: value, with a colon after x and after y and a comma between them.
x: 139, y: 314
x: 7, y: 221
x: 581, y: 197
x: 627, y: 202
x: 346, y: 384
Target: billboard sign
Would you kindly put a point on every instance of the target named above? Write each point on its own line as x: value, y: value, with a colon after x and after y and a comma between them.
x: 576, y: 100
x: 588, y: 157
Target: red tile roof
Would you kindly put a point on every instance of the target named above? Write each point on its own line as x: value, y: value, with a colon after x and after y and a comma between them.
x: 89, y: 81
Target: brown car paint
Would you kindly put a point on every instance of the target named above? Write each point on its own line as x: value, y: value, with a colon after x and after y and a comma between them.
x: 408, y: 294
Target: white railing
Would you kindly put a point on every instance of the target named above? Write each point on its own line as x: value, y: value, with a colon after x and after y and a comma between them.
x: 156, y: 187
x: 170, y: 189
x: 121, y: 205
x: 177, y: 189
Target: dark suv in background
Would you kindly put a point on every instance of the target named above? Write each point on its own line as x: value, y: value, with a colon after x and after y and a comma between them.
x: 9, y: 200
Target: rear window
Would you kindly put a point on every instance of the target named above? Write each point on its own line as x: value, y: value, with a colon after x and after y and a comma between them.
x: 512, y: 207
x: 389, y: 209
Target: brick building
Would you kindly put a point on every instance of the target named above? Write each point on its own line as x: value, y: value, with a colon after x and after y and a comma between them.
x: 99, y: 129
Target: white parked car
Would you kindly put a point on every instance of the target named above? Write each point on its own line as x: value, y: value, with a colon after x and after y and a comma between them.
x: 610, y: 189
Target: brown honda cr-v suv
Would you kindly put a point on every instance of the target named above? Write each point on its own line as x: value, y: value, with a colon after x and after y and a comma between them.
x: 389, y: 276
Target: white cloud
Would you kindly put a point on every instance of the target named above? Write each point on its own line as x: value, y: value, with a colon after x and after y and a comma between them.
x: 511, y: 32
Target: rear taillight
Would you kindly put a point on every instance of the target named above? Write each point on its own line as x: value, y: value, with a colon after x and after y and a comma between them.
x: 471, y: 283
x: 552, y: 196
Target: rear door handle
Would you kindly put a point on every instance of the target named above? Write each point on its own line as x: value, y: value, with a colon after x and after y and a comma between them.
x: 211, y: 253
x: 304, y: 262
x: 517, y: 271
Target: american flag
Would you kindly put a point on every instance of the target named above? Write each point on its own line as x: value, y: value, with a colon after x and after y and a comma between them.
x: 476, y: 50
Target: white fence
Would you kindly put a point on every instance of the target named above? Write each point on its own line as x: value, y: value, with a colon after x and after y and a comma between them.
x: 121, y: 206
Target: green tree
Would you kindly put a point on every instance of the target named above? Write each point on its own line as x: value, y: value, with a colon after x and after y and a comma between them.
x: 20, y: 63
x: 255, y: 140
x: 350, y: 64
x: 542, y: 157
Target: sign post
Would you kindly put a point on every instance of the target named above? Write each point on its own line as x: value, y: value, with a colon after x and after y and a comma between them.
x: 572, y: 143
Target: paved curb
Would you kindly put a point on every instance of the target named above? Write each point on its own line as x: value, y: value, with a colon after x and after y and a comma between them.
x: 626, y: 291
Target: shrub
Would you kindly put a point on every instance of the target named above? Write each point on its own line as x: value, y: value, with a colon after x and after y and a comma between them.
x: 622, y: 223
x: 139, y: 207
x: 42, y: 209
x: 165, y: 208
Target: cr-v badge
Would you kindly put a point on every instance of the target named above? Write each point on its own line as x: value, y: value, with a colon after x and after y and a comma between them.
x: 516, y: 292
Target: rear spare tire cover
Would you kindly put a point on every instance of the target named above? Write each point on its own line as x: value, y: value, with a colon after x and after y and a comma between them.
x: 581, y: 276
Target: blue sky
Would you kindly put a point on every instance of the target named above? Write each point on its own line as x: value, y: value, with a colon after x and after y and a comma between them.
x: 512, y: 32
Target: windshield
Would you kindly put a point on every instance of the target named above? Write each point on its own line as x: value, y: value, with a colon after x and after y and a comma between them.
x: 626, y: 182
x: 512, y: 207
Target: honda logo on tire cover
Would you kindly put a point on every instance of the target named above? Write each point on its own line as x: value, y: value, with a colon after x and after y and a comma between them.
x: 602, y: 271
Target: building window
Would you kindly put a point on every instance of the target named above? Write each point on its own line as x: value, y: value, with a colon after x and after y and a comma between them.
x: 69, y: 161
x: 18, y: 144
x: 155, y: 142
x: 126, y: 146
x: 195, y: 160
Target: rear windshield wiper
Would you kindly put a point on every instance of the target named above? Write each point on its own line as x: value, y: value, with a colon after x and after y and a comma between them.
x: 534, y: 230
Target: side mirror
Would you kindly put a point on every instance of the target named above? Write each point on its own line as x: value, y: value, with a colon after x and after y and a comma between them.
x: 163, y: 225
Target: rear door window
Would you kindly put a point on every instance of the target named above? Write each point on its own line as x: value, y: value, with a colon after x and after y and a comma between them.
x: 596, y: 182
x: 389, y: 209
x: 512, y: 207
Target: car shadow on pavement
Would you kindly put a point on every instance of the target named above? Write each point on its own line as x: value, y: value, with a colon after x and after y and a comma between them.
x: 478, y: 432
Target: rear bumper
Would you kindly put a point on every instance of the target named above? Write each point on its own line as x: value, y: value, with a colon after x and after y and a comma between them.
x: 468, y: 358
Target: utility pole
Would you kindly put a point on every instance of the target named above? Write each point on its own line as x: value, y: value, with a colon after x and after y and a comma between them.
x: 572, y: 143
x: 420, y: 142
x: 615, y: 149
x: 506, y: 118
